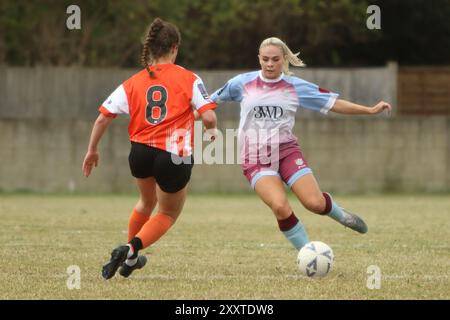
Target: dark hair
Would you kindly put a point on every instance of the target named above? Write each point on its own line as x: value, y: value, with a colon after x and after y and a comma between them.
x: 161, y: 37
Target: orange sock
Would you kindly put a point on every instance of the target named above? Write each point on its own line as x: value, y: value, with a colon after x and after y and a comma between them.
x: 154, y: 229
x: 137, y: 220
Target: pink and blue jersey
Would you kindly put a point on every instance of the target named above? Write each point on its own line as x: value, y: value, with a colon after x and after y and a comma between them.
x: 268, y: 106
x: 272, y: 104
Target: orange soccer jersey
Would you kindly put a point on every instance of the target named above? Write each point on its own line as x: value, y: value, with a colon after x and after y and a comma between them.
x: 160, y: 109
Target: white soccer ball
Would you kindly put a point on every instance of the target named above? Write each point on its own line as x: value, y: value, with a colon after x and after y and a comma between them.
x: 315, y: 259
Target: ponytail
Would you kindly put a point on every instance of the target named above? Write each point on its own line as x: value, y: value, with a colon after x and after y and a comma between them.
x: 160, y: 37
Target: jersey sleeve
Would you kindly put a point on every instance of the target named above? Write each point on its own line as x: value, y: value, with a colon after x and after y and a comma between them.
x: 231, y: 91
x: 312, y: 97
x: 200, y: 98
x: 117, y: 103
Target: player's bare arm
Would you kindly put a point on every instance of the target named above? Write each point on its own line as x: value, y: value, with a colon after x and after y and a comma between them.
x: 92, y: 156
x: 209, y: 120
x: 196, y: 115
x: 347, y: 107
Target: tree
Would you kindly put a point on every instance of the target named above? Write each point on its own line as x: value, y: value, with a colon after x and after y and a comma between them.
x: 225, y: 34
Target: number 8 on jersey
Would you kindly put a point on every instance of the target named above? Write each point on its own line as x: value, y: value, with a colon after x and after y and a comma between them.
x: 156, y: 109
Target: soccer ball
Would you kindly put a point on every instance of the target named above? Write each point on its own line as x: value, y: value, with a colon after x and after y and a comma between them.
x: 315, y: 259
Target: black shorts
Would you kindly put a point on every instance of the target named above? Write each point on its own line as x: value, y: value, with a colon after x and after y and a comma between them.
x: 171, y: 172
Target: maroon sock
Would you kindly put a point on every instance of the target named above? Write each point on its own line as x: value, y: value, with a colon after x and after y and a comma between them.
x: 288, y: 223
x: 328, y: 204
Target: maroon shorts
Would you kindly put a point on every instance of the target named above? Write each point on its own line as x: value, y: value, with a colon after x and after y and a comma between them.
x: 289, y: 165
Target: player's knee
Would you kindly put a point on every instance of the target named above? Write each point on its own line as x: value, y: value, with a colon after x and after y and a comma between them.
x: 281, y: 209
x: 147, y: 205
x: 315, y: 204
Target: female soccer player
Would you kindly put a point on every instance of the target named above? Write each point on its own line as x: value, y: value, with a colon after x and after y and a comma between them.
x: 160, y: 100
x: 270, y: 153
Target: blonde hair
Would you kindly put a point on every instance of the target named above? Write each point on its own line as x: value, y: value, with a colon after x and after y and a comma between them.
x: 292, y: 58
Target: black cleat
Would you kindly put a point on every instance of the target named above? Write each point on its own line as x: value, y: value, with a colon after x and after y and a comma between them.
x: 118, y: 256
x: 126, y: 270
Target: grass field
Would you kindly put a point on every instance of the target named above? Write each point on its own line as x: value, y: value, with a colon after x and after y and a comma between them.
x: 223, y: 247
